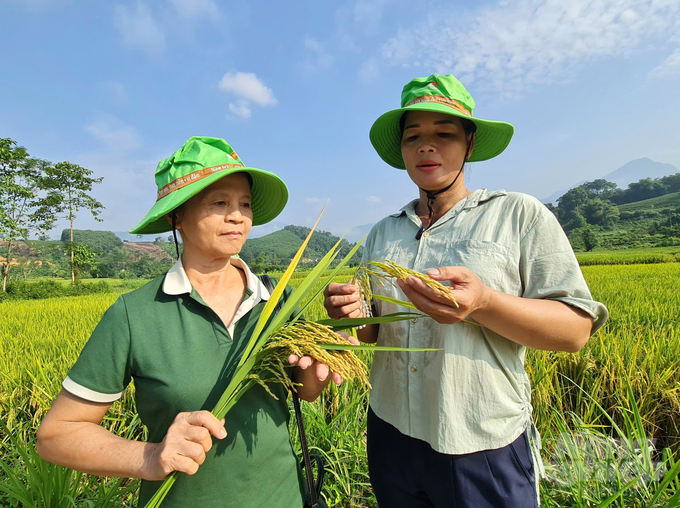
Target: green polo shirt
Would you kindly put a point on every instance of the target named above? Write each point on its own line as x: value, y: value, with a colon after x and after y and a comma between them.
x: 181, y: 357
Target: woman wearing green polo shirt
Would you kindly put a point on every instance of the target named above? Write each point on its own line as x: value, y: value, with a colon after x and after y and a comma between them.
x: 454, y: 428
x: 180, y: 337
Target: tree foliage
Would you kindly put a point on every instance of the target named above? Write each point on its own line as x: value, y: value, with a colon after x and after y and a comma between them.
x: 590, y: 212
x: 83, y: 258
x: 98, y: 241
x: 22, y: 209
x: 69, y: 186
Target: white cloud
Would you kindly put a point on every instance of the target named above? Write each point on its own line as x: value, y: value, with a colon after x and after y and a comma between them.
x: 670, y: 68
x: 246, y: 86
x: 312, y: 201
x: 197, y: 9
x: 517, y: 43
x: 139, y: 29
x: 116, y: 91
x: 241, y: 109
x: 373, y: 199
x: 117, y: 135
x: 247, y: 89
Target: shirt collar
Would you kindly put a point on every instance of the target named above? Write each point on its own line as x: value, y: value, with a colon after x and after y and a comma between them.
x: 177, y: 283
x: 472, y: 200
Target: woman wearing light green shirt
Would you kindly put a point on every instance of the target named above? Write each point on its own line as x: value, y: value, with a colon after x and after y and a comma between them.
x: 453, y: 427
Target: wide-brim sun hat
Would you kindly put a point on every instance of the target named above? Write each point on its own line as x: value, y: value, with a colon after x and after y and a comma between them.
x: 439, y: 94
x: 200, y: 162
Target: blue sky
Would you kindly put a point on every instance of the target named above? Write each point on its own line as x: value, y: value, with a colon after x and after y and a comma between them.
x: 295, y: 87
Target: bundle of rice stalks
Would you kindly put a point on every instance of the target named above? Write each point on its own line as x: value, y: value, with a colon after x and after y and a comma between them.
x: 310, y: 339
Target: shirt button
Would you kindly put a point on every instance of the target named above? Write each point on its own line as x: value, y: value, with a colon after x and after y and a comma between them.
x: 426, y: 234
x: 414, y: 320
x: 414, y: 369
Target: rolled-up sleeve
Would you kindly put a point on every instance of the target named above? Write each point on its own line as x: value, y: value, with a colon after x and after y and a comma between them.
x: 549, y: 269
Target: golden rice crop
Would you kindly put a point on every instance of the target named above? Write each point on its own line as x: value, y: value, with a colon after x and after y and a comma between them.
x: 378, y: 270
x: 307, y: 339
x: 40, y: 340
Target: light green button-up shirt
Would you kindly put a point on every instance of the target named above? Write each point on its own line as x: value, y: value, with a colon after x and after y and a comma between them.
x: 474, y: 393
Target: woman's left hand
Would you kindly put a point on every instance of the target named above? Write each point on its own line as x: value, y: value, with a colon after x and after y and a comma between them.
x: 468, y: 290
x: 311, y: 365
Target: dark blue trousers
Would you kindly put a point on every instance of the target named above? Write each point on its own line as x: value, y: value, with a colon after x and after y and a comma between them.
x: 406, y: 472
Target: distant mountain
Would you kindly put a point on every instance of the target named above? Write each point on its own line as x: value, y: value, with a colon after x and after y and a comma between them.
x: 630, y: 172
x: 638, y: 169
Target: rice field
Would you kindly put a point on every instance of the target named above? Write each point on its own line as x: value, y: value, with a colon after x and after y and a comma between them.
x: 599, y: 411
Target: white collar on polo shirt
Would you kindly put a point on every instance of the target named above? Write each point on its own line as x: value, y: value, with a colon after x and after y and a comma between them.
x: 177, y: 283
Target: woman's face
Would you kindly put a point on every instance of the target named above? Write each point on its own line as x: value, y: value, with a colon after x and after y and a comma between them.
x: 215, y: 222
x: 433, y: 146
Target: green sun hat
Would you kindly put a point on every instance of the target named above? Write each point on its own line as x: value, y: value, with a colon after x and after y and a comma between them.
x: 200, y: 162
x: 440, y: 94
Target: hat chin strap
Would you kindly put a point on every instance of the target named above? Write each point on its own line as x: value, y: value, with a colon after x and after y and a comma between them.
x: 174, y: 231
x: 432, y: 195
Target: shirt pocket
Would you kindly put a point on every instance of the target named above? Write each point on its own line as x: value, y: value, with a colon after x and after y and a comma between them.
x: 495, y: 264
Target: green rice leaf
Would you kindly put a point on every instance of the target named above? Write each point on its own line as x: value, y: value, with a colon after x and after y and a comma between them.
x: 300, y: 293
x: 276, y: 296
x: 343, y: 324
x: 368, y: 347
x: 335, y: 271
x: 395, y: 301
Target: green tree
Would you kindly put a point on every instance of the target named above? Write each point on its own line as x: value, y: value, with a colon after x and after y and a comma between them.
x: 21, y: 208
x: 601, y: 213
x: 82, y: 258
x: 671, y: 182
x: 573, y: 199
x: 599, y: 187
x: 573, y: 220
x: 590, y: 238
x: 69, y: 185
x: 644, y: 189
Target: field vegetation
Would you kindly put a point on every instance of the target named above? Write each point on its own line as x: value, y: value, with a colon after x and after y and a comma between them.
x: 609, y: 415
x: 598, y: 214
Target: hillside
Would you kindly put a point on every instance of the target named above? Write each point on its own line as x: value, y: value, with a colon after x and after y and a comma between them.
x: 630, y: 172
x: 43, y: 258
x: 669, y: 201
x: 594, y: 222
x: 283, y: 244
x: 279, y: 247
x: 154, y: 251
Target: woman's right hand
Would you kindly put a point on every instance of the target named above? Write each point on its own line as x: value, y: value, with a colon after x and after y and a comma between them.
x: 343, y: 301
x: 184, y: 447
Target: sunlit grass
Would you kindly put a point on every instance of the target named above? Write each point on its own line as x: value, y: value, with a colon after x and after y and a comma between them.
x: 573, y: 394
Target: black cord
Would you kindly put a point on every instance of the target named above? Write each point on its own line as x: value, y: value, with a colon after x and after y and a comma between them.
x: 174, y: 232
x: 432, y: 195
x: 314, y: 490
